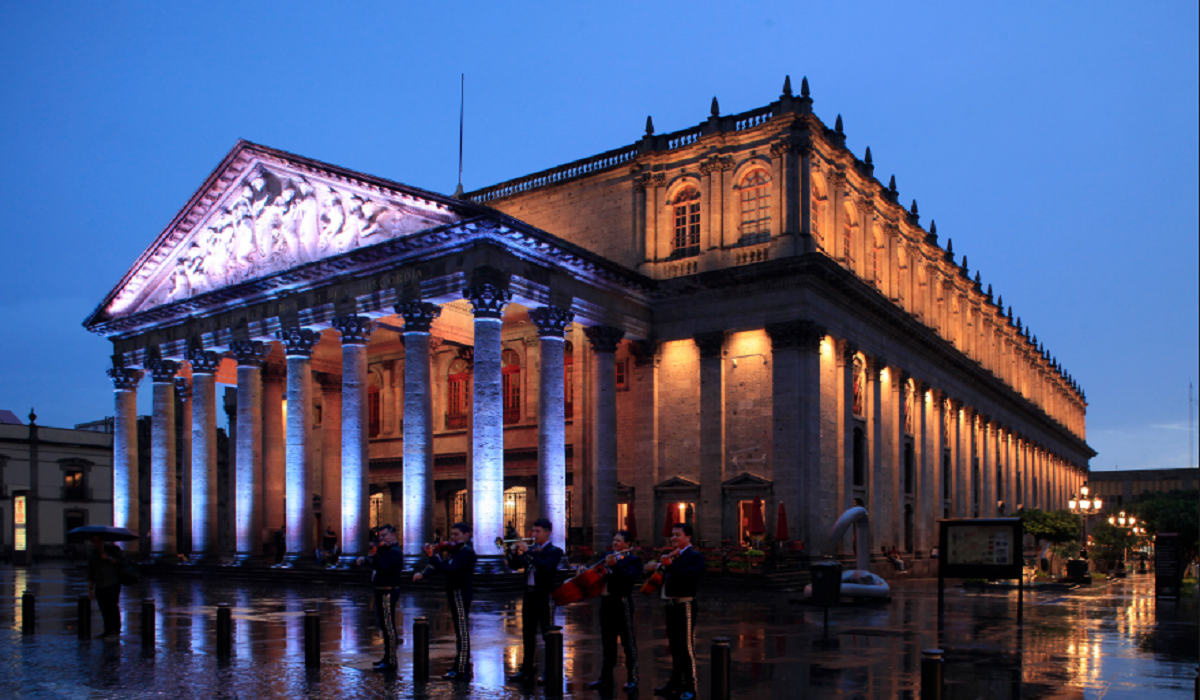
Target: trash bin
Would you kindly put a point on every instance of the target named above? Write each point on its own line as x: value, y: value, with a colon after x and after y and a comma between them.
x: 1077, y: 569
x: 826, y: 583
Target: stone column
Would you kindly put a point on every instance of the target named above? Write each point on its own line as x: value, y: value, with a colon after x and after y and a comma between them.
x: 418, y: 425
x: 183, y: 517
x: 818, y: 490
x: 204, y: 454
x: 551, y: 323
x: 298, y: 346
x: 987, y: 468
x: 712, y: 435
x: 125, y: 451
x: 331, y: 452
x: 248, y: 478
x: 162, y: 460
x: 957, y: 498
x: 604, y: 341
x: 488, y: 295
x: 274, y: 451
x: 353, y: 491
x: 227, y: 482
x: 879, y: 466
x: 645, y: 439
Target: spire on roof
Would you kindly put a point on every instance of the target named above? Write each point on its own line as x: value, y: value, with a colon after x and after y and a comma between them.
x: 649, y: 126
x: 892, y: 185
x: 913, y: 210
x: 867, y: 157
x: 804, y: 87
x: 837, y: 125
x: 716, y: 108
x: 787, y: 85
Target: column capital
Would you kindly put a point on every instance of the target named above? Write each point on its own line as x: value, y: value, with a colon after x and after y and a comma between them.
x: 711, y: 344
x: 162, y: 371
x: 604, y: 338
x: 203, y: 361
x: 355, y: 330
x: 183, y: 387
x: 298, y: 342
x: 802, y: 334
x: 849, y: 350
x: 875, y: 365
x: 250, y: 353
x: 551, y: 321
x: 488, y: 293
x: 125, y: 378
x: 418, y: 315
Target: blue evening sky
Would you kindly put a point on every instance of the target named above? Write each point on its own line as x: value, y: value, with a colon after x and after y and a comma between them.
x: 1056, y: 143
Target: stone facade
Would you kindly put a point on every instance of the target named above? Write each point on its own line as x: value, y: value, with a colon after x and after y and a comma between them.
x: 664, y: 331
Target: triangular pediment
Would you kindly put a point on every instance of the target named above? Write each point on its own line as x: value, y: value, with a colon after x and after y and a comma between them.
x: 747, y: 479
x: 263, y: 212
x: 677, y: 482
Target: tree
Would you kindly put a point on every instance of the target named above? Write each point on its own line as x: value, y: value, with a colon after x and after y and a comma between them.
x: 1056, y: 526
x: 1174, y: 511
x: 1110, y: 541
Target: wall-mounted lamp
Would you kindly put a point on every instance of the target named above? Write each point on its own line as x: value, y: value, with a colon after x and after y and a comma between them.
x: 742, y: 357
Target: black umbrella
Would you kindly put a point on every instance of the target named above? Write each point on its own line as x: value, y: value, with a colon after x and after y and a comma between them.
x: 104, y: 532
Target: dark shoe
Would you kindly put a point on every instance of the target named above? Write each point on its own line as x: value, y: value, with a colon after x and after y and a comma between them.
x: 630, y: 687
x: 384, y: 668
x: 381, y: 663
x: 456, y: 676
x: 602, y: 684
x: 687, y: 695
x: 521, y: 677
x: 667, y: 690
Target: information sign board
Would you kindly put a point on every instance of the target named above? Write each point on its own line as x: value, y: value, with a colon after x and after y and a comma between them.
x: 1168, y: 565
x: 981, y: 548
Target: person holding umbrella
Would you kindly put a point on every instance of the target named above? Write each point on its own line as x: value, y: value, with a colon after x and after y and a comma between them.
x: 106, y: 570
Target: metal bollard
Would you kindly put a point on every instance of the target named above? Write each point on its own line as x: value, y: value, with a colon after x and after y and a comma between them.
x: 931, y: 674
x: 84, y: 626
x: 554, y: 661
x: 148, y: 611
x: 720, y: 668
x: 312, y: 638
x: 224, y: 631
x: 28, y: 613
x: 420, y: 650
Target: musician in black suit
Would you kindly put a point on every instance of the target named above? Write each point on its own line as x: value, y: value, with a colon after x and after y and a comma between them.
x: 616, y: 612
x: 387, y: 564
x: 540, y: 563
x: 458, y: 566
x: 682, y: 570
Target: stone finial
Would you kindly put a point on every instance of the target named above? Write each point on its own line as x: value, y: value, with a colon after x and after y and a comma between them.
x: 551, y: 321
x: 892, y: 185
x: 867, y: 157
x: 977, y: 280
x: 950, y: 246
x: 804, y: 87
x: 913, y: 209
x: 965, y: 268
x: 933, y: 227
x: 649, y: 125
x: 1000, y: 301
x: 787, y: 85
x: 32, y: 416
x: 1010, y: 315
x: 989, y: 291
x: 715, y: 109
x: 837, y: 125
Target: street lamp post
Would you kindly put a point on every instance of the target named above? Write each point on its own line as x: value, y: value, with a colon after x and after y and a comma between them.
x: 1134, y: 531
x: 1083, y: 507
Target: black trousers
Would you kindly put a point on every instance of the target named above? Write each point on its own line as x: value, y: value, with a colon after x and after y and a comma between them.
x: 108, y: 599
x: 536, y: 611
x: 681, y: 634
x: 616, y: 622
x: 460, y: 615
x: 385, y: 617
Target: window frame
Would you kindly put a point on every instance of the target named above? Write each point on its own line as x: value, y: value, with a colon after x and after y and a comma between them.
x: 757, y: 194
x: 685, y: 222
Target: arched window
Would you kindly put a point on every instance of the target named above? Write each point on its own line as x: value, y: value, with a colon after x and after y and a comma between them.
x: 756, y: 205
x: 909, y: 468
x: 860, y: 458
x: 686, y: 239
x: 568, y: 380
x: 458, y: 394
x: 510, y: 371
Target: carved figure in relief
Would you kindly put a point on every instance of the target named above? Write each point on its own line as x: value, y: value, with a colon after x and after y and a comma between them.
x: 181, y: 286
x: 860, y: 386
x: 306, y: 221
x: 362, y: 220
x: 287, y: 233
x: 333, y: 219
x: 947, y: 421
x: 909, y: 408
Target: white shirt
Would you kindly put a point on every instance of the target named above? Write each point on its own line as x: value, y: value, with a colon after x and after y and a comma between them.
x: 529, y: 578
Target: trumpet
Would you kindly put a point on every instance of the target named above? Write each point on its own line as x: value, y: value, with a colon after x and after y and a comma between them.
x: 507, y: 545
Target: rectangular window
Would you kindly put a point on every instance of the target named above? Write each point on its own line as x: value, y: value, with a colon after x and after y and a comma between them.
x: 512, y: 397
x: 73, y: 488
x: 374, y: 414
x: 622, y: 375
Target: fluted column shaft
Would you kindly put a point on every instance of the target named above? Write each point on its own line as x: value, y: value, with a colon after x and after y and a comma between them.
x: 125, y: 451
x: 183, y: 517
x: 418, y: 424
x: 162, y: 460
x: 248, y: 479
x: 552, y: 430
x: 204, y: 454
x: 355, y: 448
x: 331, y: 455
x: 488, y: 295
x: 604, y: 341
x: 298, y: 345
x: 274, y: 451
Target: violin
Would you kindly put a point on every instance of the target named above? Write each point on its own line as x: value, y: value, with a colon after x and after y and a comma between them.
x: 655, y: 582
x: 437, y: 548
x: 588, y: 583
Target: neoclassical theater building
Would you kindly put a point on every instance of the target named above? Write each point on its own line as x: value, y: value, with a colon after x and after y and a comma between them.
x: 658, y: 333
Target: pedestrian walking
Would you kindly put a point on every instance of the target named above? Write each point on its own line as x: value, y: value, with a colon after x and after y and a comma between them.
x: 104, y: 583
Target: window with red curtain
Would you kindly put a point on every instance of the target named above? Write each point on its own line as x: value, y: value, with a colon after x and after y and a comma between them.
x: 458, y: 395
x: 510, y: 372
x: 374, y: 412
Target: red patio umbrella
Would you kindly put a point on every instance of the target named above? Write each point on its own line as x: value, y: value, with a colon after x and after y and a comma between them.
x: 669, y: 521
x: 631, y: 525
x: 757, y: 526
x: 781, y: 529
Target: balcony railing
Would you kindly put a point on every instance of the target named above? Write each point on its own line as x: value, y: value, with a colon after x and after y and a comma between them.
x: 456, y: 421
x: 512, y: 416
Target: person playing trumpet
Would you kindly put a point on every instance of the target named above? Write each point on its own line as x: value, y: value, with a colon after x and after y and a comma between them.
x: 540, y: 562
x: 458, y: 566
x: 616, y: 613
x: 682, y: 569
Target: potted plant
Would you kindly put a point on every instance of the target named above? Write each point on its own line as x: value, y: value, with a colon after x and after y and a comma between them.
x: 714, y: 561
x: 755, y: 559
x: 737, y: 562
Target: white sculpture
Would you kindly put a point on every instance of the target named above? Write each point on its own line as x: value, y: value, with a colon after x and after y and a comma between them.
x: 860, y: 582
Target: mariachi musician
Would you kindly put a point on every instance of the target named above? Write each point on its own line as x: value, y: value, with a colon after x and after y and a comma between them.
x: 540, y: 562
x: 616, y: 612
x: 387, y: 564
x: 681, y: 569
x: 456, y: 561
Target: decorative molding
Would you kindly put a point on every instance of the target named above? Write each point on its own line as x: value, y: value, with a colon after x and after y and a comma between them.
x: 355, y: 330
x: 716, y: 163
x: 710, y: 344
x: 804, y: 335
x: 298, y: 342
x: 551, y: 321
x: 849, y: 350
x: 183, y: 388
x: 124, y: 378
x: 604, y: 338
x: 250, y: 353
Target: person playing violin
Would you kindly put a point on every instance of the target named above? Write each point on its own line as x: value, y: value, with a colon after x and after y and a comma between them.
x: 387, y: 564
x: 682, y: 569
x: 458, y: 566
x: 540, y: 563
x: 616, y: 613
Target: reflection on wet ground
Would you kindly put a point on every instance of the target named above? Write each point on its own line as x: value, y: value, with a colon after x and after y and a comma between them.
x: 1111, y: 641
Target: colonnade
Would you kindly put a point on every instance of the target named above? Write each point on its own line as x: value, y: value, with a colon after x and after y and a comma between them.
x: 273, y: 470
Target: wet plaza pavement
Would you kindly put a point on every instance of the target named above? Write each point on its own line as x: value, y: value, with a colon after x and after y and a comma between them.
x: 1110, y: 641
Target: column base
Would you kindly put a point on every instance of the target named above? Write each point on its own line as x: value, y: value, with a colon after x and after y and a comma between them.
x: 167, y: 557
x: 205, y: 560
x: 257, y: 561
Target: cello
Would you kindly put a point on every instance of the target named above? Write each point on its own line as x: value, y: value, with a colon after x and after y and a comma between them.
x: 587, y: 584
x: 655, y: 582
